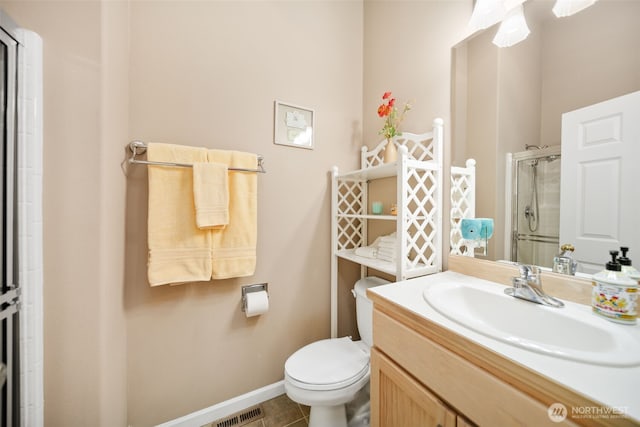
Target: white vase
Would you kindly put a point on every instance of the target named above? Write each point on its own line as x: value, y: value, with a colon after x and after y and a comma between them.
x: 390, y: 152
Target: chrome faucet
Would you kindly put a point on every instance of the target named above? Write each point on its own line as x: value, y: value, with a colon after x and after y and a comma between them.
x: 529, y: 287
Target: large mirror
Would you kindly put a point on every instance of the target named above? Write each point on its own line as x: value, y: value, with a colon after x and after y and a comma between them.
x: 507, y: 111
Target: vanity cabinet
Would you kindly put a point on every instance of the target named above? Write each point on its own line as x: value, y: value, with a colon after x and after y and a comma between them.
x: 419, y: 213
x: 415, y: 381
x: 400, y: 400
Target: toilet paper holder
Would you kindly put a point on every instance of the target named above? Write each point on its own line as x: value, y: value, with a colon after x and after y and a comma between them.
x: 247, y: 289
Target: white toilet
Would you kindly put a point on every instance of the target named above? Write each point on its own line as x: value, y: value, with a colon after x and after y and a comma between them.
x: 328, y: 373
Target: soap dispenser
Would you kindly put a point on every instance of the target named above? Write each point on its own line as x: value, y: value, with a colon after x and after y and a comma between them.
x: 626, y: 265
x: 614, y: 294
x: 564, y: 263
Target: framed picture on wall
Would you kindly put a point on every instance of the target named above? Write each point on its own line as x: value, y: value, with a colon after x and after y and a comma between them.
x: 293, y: 125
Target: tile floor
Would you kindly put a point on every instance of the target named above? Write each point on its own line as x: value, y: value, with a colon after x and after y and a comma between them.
x: 280, y: 412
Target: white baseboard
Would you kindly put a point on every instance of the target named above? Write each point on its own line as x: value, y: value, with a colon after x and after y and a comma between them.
x: 228, y: 407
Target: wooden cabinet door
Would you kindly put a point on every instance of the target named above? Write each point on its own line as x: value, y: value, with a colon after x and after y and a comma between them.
x: 398, y: 400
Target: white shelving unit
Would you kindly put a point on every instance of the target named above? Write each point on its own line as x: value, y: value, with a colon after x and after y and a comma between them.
x: 419, y: 200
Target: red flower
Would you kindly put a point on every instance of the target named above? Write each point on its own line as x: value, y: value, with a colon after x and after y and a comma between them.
x: 384, y: 110
x: 392, y: 117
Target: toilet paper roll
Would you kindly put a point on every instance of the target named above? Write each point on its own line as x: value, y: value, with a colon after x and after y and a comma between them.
x: 257, y: 303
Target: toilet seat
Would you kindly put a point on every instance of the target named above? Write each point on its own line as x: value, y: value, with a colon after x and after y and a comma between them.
x: 328, y: 364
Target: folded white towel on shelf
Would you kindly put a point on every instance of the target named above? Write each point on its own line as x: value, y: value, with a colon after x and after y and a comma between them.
x: 389, y: 252
x: 391, y: 238
x: 382, y: 248
x: 382, y: 257
x: 385, y: 257
x: 367, y: 252
x: 384, y: 244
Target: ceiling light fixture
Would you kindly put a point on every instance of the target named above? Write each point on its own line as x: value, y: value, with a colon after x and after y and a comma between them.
x: 513, y: 28
x: 564, y: 8
x: 489, y: 12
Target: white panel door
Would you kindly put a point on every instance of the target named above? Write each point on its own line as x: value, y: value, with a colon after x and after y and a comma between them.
x: 600, y: 188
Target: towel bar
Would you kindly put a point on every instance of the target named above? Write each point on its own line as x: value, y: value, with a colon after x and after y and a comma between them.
x: 139, y: 147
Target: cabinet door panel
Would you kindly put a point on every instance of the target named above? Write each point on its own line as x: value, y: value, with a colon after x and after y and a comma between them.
x: 402, y: 401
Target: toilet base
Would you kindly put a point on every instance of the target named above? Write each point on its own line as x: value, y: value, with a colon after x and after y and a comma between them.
x: 325, y: 416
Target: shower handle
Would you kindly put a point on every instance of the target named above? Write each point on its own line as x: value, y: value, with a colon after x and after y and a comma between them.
x: 528, y: 212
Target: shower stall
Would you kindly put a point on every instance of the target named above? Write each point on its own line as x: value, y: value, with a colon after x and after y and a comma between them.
x: 21, y: 307
x: 534, y: 205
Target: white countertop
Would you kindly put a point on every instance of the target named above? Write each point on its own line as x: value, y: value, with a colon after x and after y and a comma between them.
x: 615, y: 387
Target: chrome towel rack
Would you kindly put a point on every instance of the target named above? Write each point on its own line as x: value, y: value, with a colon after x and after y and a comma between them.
x: 139, y: 147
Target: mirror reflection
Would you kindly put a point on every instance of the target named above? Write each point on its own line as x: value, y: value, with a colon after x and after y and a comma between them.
x: 508, y: 106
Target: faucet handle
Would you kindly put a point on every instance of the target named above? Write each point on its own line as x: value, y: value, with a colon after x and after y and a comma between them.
x: 529, y: 271
x: 529, y: 274
x: 525, y: 270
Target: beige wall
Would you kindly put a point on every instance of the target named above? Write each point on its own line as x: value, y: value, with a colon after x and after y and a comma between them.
x: 581, y: 66
x: 482, y: 122
x: 85, y: 122
x: 118, y: 352
x: 207, y: 74
x: 407, y: 50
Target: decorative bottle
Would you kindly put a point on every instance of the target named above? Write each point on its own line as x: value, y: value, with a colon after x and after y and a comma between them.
x: 626, y: 265
x: 615, y: 295
x: 564, y: 263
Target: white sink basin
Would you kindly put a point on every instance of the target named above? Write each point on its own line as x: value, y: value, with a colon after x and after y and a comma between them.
x: 569, y: 333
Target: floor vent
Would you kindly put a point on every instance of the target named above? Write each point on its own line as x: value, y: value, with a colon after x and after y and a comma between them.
x: 241, y: 418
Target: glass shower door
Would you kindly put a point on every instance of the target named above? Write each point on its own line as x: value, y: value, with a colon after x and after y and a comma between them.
x: 536, y: 210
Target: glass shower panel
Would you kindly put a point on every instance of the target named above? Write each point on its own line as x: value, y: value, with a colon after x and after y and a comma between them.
x: 537, y: 215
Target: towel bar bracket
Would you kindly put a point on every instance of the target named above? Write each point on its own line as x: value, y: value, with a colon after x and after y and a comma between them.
x: 137, y: 147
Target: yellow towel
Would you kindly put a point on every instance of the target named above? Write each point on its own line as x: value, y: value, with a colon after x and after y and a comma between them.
x: 178, y: 250
x: 211, y: 194
x: 234, y: 247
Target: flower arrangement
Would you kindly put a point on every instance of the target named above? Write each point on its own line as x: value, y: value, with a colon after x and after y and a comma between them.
x: 392, y: 117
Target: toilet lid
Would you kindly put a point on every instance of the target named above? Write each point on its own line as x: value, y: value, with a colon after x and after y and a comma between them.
x: 327, y: 364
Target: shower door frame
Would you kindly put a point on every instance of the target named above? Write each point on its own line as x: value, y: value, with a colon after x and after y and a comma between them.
x: 511, y: 194
x: 10, y: 292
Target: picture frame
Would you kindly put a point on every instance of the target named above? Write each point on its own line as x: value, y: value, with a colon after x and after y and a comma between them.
x: 293, y: 125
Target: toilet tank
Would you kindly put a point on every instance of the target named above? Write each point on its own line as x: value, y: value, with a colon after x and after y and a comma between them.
x: 364, y: 307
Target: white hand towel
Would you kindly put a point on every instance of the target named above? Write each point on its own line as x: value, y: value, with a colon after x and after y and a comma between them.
x: 389, y: 237
x: 391, y: 252
x: 382, y: 257
x: 366, y: 251
x: 385, y: 244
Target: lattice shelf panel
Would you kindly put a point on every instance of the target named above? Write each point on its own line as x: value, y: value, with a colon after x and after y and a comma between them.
x: 350, y: 197
x: 350, y: 201
x: 350, y: 233
x: 422, y: 147
x: 421, y: 219
x: 462, y: 205
x: 418, y: 147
